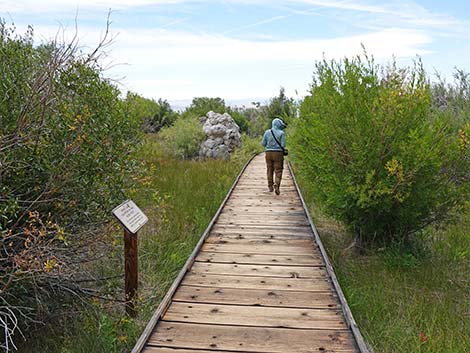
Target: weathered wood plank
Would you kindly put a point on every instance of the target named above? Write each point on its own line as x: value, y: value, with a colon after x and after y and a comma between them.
x: 260, y: 229
x: 258, y: 270
x: 304, y: 242
x: 288, y: 284
x: 259, y: 236
x: 263, y: 259
x: 247, y: 216
x: 250, y: 339
x: 260, y: 248
x: 262, y: 224
x: 255, y: 316
x: 150, y: 349
x: 262, y: 213
x: 264, y: 208
x: 278, y: 201
x: 257, y: 297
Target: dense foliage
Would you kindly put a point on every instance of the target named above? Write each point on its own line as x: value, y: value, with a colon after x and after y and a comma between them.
x: 154, y: 114
x: 65, y: 142
x: 183, y: 139
x: 453, y: 98
x: 259, y: 117
x: 380, y: 159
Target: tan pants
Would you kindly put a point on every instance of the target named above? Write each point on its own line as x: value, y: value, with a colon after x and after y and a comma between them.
x: 274, y: 164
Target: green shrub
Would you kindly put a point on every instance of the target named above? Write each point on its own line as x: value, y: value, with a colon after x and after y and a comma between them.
x: 66, y: 144
x: 200, y: 106
x: 240, y: 119
x: 453, y: 98
x: 183, y: 139
x: 153, y: 114
x: 376, y: 156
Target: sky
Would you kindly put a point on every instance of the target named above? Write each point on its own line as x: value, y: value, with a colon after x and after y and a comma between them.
x: 244, y: 51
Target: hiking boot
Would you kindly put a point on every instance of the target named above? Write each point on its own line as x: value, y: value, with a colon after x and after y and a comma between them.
x: 276, y: 189
x: 271, y: 189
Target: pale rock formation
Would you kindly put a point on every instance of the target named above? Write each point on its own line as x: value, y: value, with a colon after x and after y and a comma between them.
x: 222, y: 136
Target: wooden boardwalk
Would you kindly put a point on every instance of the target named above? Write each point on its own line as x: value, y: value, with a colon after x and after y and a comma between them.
x: 258, y: 281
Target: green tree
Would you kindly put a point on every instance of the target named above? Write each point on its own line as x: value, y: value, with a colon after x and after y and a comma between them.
x: 280, y: 107
x: 453, y: 98
x: 200, y: 106
x: 378, y: 157
x: 153, y: 114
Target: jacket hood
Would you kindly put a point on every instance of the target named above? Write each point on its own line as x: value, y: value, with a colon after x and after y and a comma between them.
x: 278, y: 124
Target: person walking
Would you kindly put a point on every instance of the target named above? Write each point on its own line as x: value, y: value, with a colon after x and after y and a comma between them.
x: 274, y: 142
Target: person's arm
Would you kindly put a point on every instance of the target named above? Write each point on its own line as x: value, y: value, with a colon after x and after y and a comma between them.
x: 283, y: 140
x: 265, y: 141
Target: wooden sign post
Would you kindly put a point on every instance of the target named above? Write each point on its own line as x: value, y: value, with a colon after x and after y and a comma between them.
x: 132, y: 219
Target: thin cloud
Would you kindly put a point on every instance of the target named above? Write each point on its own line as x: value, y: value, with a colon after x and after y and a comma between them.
x: 256, y: 24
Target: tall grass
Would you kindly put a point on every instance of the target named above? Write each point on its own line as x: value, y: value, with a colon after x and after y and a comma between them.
x: 414, y: 300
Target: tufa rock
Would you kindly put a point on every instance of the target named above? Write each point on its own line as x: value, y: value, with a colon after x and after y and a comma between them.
x: 222, y: 136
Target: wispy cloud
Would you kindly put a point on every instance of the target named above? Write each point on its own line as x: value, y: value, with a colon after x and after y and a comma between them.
x: 258, y: 23
x: 391, y: 13
x: 15, y: 6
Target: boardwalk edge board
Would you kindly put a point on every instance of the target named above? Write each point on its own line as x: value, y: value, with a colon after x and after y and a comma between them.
x: 363, y: 347
x: 169, y: 295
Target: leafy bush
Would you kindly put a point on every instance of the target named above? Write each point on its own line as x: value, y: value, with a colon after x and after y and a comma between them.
x: 240, y: 119
x: 453, y: 98
x: 200, y: 106
x: 377, y: 157
x: 183, y: 139
x: 260, y: 118
x: 66, y: 145
x: 154, y: 114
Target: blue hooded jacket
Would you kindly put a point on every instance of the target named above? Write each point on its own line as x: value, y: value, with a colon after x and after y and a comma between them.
x: 269, y: 142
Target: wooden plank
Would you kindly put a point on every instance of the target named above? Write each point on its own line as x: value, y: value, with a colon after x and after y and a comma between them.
x: 255, y: 316
x: 305, y: 242
x: 150, y: 349
x: 263, y: 259
x: 260, y: 249
x: 265, y: 233
x: 263, y: 190
x: 263, y: 211
x: 263, y: 217
x: 275, y: 201
x: 256, y: 297
x: 264, y: 193
x: 250, y: 339
x: 280, y: 200
x: 288, y: 284
x: 258, y: 235
x: 262, y: 223
x: 258, y: 270
x: 259, y: 228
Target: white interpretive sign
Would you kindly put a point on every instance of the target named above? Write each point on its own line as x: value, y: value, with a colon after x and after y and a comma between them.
x: 131, y: 216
